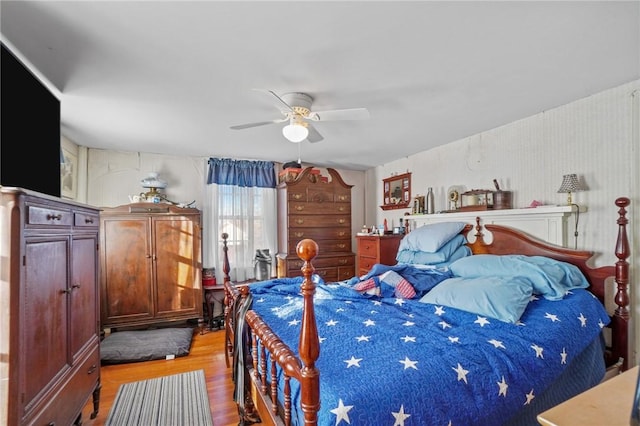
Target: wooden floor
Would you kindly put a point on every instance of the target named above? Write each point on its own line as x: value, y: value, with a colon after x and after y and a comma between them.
x: 207, y: 353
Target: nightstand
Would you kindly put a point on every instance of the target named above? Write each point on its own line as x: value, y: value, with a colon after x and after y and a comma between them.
x: 608, y: 403
x: 374, y: 249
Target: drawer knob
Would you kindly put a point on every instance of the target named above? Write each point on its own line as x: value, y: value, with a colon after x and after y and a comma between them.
x: 297, y: 196
x: 341, y: 209
x: 299, y: 221
x: 342, y: 246
x: 92, y: 369
x: 298, y: 234
x: 54, y: 216
x: 341, y: 221
x: 342, y: 234
x: 299, y: 208
x: 343, y: 261
x: 88, y: 220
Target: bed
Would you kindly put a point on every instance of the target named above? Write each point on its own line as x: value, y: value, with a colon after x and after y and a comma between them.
x: 493, y: 337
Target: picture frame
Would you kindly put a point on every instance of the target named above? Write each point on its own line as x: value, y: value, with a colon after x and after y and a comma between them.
x: 68, y: 174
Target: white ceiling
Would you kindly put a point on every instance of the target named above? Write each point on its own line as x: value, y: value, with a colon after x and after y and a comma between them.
x: 170, y: 77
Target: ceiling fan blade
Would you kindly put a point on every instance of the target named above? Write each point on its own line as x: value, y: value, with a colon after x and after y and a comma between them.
x: 280, y: 103
x: 340, y: 114
x: 260, y: 123
x: 314, y: 136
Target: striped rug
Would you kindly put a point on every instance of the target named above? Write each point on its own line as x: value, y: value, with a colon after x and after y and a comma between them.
x: 179, y: 399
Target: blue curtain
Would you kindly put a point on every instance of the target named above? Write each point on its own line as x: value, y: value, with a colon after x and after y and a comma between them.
x: 243, y: 173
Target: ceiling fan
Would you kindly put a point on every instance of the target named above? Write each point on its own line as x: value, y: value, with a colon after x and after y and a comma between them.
x: 296, y: 109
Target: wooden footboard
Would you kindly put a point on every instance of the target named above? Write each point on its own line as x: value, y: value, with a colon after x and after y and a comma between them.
x: 302, y: 368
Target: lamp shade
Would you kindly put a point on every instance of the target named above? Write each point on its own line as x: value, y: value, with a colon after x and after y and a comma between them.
x: 153, y: 181
x: 570, y: 183
x: 295, y: 132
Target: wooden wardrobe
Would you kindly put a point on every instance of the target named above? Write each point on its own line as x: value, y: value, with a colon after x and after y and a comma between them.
x: 319, y: 207
x: 49, y: 328
x: 151, y: 264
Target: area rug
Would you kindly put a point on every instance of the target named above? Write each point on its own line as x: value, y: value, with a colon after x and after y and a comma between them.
x: 176, y: 400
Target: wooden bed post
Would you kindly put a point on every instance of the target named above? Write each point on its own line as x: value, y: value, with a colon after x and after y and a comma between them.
x: 620, y: 343
x: 225, y: 257
x: 309, y: 343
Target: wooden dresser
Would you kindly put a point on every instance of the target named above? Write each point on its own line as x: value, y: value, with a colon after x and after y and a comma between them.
x: 49, y: 332
x: 374, y: 249
x: 316, y: 207
x: 151, y: 264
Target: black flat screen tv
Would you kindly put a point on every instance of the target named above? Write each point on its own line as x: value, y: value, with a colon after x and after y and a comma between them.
x: 29, y: 129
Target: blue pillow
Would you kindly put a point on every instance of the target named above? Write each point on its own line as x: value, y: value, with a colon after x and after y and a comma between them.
x: 431, y: 237
x: 550, y: 278
x: 428, y: 258
x: 501, y: 298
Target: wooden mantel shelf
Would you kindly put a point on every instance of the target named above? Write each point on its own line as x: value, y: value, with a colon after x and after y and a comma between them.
x: 549, y: 223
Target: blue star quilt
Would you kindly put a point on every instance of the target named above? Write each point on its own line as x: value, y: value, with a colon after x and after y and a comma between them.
x: 397, y: 361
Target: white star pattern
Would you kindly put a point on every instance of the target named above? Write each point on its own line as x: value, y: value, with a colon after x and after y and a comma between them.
x: 454, y: 339
x: 289, y: 297
x: 552, y: 317
x: 439, y: 310
x: 563, y: 356
x: 363, y: 338
x: 502, y: 387
x: 538, y: 350
x: 377, y: 303
x: 331, y: 323
x: 408, y: 363
x: 322, y: 339
x: 261, y: 300
x: 462, y: 373
x: 400, y: 416
x: 340, y: 310
x: 529, y: 397
x: 294, y: 322
x: 353, y: 362
x: 482, y: 321
x: 409, y: 323
x: 400, y: 302
x: 444, y: 325
x: 583, y: 320
x: 496, y: 343
x: 342, y: 412
x: 408, y: 339
x: 600, y: 324
x: 373, y: 311
x: 369, y: 323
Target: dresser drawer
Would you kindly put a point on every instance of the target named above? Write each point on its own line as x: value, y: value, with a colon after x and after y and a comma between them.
x: 366, y: 263
x: 324, y: 246
x: 368, y: 247
x: 320, y: 196
x: 348, y: 260
x: 329, y: 275
x: 297, y: 234
x: 299, y: 207
x: 82, y: 219
x: 50, y: 216
x: 300, y: 221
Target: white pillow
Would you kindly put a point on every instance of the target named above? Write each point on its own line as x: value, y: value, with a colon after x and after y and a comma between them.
x: 431, y: 237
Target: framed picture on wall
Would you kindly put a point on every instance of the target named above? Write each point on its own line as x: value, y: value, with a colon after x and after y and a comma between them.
x: 68, y: 174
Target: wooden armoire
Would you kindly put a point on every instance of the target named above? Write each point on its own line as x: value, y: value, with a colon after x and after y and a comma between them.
x: 318, y: 207
x: 49, y: 313
x: 150, y: 264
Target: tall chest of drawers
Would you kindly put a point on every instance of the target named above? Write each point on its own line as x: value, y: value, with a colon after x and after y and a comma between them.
x: 316, y: 207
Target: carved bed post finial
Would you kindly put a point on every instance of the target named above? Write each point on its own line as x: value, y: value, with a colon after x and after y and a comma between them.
x: 621, y: 314
x: 225, y: 256
x: 309, y: 344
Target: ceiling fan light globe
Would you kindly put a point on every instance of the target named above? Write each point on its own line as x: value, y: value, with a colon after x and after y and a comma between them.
x: 295, y: 132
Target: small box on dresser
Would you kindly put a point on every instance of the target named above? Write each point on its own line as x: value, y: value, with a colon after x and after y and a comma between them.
x: 374, y: 249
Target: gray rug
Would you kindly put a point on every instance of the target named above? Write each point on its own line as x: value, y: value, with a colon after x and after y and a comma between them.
x: 179, y: 399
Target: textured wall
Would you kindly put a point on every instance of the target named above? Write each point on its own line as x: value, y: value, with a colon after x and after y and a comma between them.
x: 595, y: 137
